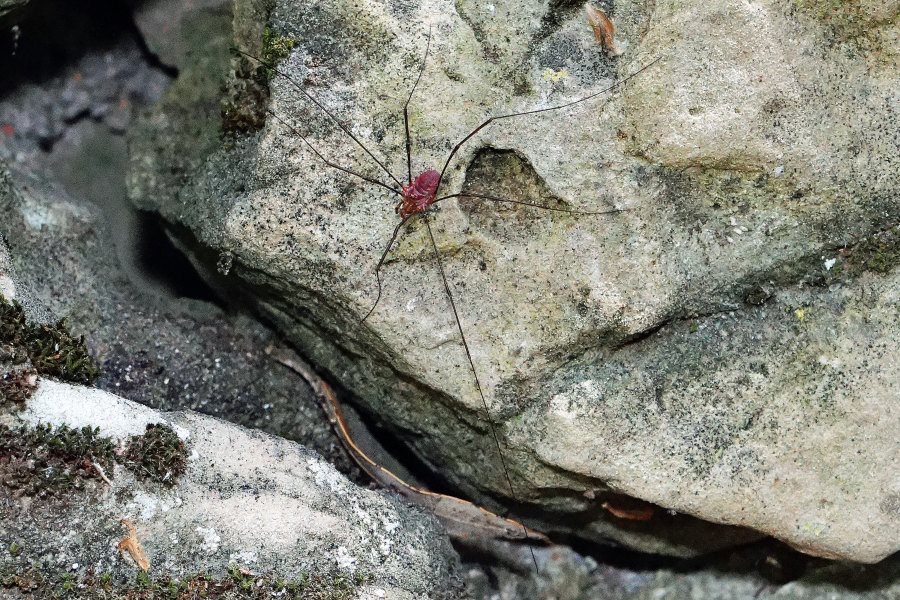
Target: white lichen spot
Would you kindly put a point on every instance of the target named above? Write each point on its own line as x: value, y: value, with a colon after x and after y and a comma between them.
x: 243, y: 557
x: 390, y: 526
x: 209, y: 539
x: 830, y: 263
x: 344, y: 560
x: 146, y: 504
x: 324, y: 475
x: 7, y: 288
x: 834, y: 363
x: 411, y: 305
x: 37, y: 217
x: 384, y: 546
x: 183, y: 433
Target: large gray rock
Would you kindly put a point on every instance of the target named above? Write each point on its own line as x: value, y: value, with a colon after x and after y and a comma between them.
x: 723, y: 349
x: 261, y: 504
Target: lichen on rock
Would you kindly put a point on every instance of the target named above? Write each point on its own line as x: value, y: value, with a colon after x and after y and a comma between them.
x: 249, y: 512
x: 748, y: 158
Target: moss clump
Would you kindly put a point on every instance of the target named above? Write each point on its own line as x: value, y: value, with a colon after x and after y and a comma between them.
x: 16, y: 386
x: 237, y: 585
x: 158, y: 455
x: 879, y: 253
x: 883, y: 256
x: 50, y: 349
x: 276, y: 47
x: 243, y: 110
x: 45, y: 462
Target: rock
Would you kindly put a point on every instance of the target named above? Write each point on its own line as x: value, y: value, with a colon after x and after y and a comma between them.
x: 82, y: 253
x: 722, y: 349
x: 764, y: 571
x: 169, y: 27
x: 10, y: 9
x: 265, y: 508
x: 7, y: 285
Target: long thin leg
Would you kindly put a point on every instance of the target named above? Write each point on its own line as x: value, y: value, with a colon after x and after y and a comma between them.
x: 531, y: 204
x: 323, y: 108
x: 618, y: 83
x: 381, y: 262
x: 328, y: 162
x: 406, y: 106
x: 462, y: 336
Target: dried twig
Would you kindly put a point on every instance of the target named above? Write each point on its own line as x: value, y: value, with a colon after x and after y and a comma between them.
x: 102, y: 473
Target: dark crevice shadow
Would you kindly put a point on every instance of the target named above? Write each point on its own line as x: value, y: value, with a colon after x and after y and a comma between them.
x: 54, y: 34
x: 163, y: 264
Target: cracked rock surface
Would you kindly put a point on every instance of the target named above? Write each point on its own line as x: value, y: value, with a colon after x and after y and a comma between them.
x: 724, y: 349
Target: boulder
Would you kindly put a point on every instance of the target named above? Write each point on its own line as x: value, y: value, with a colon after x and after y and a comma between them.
x: 209, y: 504
x: 721, y: 349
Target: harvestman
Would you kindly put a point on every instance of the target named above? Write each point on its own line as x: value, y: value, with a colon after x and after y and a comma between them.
x: 421, y: 193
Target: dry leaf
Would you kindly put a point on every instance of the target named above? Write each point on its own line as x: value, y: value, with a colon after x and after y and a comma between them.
x: 643, y: 513
x: 604, y: 30
x: 132, y: 546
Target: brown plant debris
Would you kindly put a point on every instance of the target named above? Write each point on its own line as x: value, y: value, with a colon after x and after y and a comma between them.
x: 132, y: 546
x: 604, y: 30
x: 17, y: 385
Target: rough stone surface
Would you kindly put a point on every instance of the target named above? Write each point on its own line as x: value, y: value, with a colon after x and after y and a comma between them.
x: 726, y: 348
x: 249, y: 499
x: 7, y: 283
x: 739, y: 575
x: 82, y: 253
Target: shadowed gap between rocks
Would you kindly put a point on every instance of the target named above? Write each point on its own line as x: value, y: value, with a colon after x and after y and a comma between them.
x: 53, y: 34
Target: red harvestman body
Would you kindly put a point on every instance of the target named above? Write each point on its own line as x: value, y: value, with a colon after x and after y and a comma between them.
x: 420, y: 194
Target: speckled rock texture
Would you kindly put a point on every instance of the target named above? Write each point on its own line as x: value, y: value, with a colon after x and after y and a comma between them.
x: 262, y: 504
x: 570, y: 576
x: 725, y: 348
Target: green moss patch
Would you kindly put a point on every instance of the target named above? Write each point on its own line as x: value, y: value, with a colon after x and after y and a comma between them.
x: 881, y: 252
x: 51, y: 349
x: 276, y: 47
x: 158, y: 455
x: 847, y: 19
x: 239, y: 584
x: 44, y: 461
x: 243, y: 110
